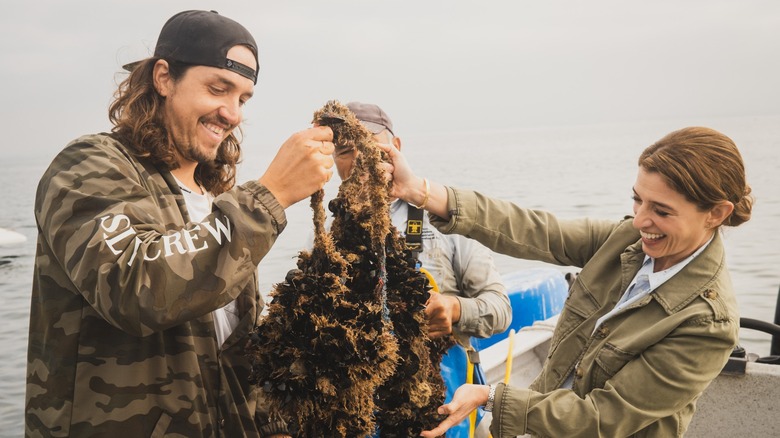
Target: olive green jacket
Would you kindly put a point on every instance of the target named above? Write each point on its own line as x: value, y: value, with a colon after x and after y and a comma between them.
x: 122, y: 342
x: 641, y: 373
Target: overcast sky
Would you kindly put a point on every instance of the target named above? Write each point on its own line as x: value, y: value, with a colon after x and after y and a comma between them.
x: 433, y: 65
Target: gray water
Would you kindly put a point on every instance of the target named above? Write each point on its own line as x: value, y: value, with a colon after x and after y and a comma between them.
x: 571, y: 171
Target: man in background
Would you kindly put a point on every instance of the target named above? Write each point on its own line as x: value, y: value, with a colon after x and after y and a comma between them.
x: 471, y: 300
x: 145, y: 279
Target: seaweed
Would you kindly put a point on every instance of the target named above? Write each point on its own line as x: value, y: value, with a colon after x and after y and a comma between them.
x: 409, y: 399
x: 344, y: 345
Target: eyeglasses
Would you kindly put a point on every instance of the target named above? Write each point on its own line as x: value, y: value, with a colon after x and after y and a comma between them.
x: 341, y: 153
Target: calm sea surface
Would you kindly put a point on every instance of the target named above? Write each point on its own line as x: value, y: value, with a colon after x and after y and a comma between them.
x: 571, y: 171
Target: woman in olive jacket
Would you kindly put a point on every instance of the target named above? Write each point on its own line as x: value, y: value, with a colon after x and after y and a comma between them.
x: 650, y: 320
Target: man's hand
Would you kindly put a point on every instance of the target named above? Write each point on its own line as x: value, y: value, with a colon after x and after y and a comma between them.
x: 301, y: 166
x: 442, y: 311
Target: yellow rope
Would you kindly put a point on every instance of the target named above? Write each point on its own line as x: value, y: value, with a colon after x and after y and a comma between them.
x: 470, y: 379
x: 469, y: 365
x: 509, y: 356
x: 430, y: 279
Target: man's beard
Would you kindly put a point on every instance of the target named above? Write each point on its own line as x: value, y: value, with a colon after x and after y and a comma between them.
x: 196, y: 154
x: 205, y: 155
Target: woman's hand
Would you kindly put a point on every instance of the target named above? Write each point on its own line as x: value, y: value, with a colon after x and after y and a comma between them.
x: 401, y: 174
x: 415, y: 190
x: 467, y: 398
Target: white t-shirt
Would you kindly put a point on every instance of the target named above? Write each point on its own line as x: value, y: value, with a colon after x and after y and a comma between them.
x: 199, y: 206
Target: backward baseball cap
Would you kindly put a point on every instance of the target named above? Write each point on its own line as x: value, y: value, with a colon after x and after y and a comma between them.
x: 371, y: 116
x: 204, y: 38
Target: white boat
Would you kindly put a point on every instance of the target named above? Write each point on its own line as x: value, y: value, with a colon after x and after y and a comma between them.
x: 739, y: 402
x: 8, y: 237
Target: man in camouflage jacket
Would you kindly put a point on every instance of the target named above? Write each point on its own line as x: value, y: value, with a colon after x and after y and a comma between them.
x: 122, y: 332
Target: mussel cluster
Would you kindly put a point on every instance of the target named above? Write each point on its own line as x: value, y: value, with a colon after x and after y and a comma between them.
x: 408, y: 400
x: 343, y: 350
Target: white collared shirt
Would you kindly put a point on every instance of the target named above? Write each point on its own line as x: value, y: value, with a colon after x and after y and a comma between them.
x: 644, y: 283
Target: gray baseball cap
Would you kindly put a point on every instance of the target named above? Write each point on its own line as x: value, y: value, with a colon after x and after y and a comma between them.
x: 371, y: 116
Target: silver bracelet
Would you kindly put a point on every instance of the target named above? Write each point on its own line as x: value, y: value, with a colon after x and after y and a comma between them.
x: 491, y: 399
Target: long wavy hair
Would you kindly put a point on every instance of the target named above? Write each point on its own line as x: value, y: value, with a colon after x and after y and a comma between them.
x: 139, y: 120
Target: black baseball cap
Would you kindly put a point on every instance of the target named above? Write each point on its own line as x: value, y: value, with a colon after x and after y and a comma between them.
x: 204, y: 38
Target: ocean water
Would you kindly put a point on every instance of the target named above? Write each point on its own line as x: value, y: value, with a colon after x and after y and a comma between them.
x: 571, y: 171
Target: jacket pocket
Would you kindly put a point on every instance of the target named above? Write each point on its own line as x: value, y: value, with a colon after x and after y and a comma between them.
x: 161, y: 428
x: 608, y: 362
x: 577, y: 309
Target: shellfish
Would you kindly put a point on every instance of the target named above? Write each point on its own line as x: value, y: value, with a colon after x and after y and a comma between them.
x: 344, y: 346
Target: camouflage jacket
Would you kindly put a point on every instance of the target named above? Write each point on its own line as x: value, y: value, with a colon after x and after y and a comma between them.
x: 122, y: 341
